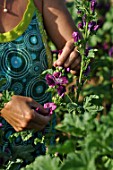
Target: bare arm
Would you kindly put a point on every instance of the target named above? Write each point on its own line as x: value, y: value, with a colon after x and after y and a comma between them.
x: 58, y: 22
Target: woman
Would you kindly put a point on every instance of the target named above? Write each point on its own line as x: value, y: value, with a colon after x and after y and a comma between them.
x: 24, y: 54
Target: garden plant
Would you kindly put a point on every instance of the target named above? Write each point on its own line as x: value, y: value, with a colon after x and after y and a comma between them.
x: 83, y: 104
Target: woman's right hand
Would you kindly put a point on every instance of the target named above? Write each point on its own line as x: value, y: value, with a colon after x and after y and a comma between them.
x: 21, y: 115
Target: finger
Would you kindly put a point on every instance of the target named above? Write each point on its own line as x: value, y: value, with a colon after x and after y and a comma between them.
x: 33, y: 104
x: 72, y: 59
x: 65, y: 53
x: 33, y: 125
x: 76, y: 64
x: 40, y: 119
x: 76, y: 72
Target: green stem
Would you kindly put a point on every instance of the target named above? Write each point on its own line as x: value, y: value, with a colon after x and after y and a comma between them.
x: 69, y: 98
x: 79, y: 84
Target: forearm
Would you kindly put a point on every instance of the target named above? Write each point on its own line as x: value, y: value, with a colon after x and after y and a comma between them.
x: 58, y: 22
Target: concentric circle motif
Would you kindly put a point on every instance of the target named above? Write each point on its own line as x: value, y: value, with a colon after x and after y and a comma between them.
x: 7, y: 83
x: 17, y: 88
x: 43, y: 59
x: 2, y: 46
x: 36, y: 68
x: 15, y: 63
x: 18, y: 43
x: 33, y: 40
x: 36, y: 89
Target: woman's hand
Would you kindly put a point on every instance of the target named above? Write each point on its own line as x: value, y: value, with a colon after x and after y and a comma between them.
x: 69, y: 57
x: 21, y: 115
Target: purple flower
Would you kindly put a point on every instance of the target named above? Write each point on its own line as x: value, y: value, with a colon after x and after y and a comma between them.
x: 61, y: 90
x: 79, y: 12
x: 87, y: 51
x: 67, y: 70
x: 91, y: 25
x: 96, y: 27
x: 80, y: 25
x: 93, y: 5
x: 56, y: 79
x: 60, y: 80
x: 111, y: 52
x: 50, y: 80
x: 1, y: 125
x: 76, y: 36
x: 50, y: 106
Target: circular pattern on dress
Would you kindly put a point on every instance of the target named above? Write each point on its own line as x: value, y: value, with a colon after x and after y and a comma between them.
x: 36, y: 89
x: 18, y: 43
x: 36, y: 68
x: 2, y: 46
x: 16, y: 63
x: 17, y: 88
x: 43, y: 59
x: 33, y: 40
x: 7, y: 82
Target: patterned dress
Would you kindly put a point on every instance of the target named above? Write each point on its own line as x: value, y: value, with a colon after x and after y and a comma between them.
x: 24, y: 55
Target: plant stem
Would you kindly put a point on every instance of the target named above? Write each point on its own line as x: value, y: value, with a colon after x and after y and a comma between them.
x: 69, y: 98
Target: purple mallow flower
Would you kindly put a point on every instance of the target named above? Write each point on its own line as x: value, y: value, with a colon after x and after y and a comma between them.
x: 50, y: 106
x: 80, y: 25
x: 50, y: 80
x: 93, y: 5
x: 92, y: 26
x: 111, y: 52
x: 87, y: 51
x: 76, y: 36
x: 79, y: 12
x: 61, y: 90
x: 59, y: 79
x: 67, y: 70
x: 96, y: 27
x: 56, y: 79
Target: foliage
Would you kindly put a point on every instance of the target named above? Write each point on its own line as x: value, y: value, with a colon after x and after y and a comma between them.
x: 84, y: 138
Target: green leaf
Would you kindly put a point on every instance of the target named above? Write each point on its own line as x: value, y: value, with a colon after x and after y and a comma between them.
x: 72, y: 124
x: 44, y: 163
x: 90, y: 104
x: 72, y: 107
x: 91, y: 53
x: 79, y: 161
x: 66, y: 147
x: 25, y: 152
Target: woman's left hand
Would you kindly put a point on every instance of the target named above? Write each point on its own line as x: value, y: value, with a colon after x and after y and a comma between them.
x: 69, y: 57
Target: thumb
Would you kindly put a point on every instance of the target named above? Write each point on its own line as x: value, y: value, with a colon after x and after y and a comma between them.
x: 38, y: 108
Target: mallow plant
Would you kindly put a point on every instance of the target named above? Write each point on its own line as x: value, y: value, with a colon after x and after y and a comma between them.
x: 88, y: 134
x: 85, y: 139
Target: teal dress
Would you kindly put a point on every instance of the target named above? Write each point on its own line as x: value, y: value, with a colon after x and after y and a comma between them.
x: 24, y: 55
